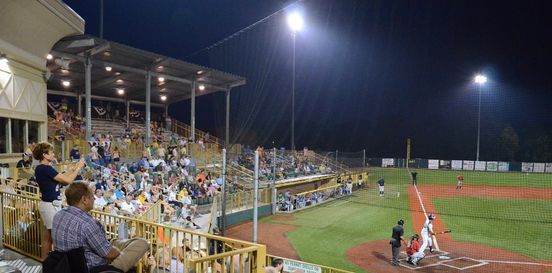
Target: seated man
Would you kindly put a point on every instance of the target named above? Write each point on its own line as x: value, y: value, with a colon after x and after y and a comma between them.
x: 73, y: 228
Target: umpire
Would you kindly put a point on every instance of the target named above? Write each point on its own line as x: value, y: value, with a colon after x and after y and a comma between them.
x: 395, y: 241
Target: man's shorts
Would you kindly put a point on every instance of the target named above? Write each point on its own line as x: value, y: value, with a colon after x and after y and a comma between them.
x: 47, y: 211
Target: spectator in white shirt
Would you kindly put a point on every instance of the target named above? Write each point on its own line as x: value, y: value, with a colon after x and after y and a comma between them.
x: 99, y: 200
x: 127, y: 206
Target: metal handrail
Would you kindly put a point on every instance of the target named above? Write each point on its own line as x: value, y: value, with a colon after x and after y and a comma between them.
x: 161, y: 238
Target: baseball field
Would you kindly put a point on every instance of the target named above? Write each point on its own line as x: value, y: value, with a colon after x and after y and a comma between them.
x: 500, y: 222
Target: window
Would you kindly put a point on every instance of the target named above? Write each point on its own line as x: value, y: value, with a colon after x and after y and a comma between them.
x: 33, y: 127
x: 3, y: 135
x: 17, y: 135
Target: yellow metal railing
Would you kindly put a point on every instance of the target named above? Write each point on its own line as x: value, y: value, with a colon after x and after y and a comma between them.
x: 26, y: 173
x: 152, y: 213
x: 22, y: 232
x: 184, y: 129
x: 19, y: 186
x: 245, y: 199
x: 21, y: 224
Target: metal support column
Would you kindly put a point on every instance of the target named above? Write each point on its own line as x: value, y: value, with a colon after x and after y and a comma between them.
x: 223, y: 197
x: 127, y: 102
x: 227, y: 127
x: 79, y: 104
x: 9, y: 139
x: 478, y: 122
x: 274, y: 175
x: 192, y: 114
x: 148, y: 107
x: 363, y: 157
x: 26, y: 135
x: 256, y: 197
x: 88, y: 96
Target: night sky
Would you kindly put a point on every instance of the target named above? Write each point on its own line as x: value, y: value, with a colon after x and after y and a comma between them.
x: 370, y: 74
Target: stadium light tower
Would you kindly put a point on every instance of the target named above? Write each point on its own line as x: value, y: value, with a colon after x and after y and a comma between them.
x: 480, y: 80
x: 295, y: 23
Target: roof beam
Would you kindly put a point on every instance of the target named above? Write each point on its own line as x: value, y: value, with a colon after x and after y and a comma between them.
x: 73, y: 94
x: 136, y: 70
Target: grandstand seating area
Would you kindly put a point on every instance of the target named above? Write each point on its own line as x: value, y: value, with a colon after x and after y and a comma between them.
x: 173, y: 182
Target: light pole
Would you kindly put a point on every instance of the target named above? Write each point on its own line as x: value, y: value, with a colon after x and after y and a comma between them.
x: 479, y: 80
x: 295, y: 22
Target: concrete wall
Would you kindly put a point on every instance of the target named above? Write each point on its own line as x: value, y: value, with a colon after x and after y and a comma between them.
x: 28, y: 31
x: 246, y: 215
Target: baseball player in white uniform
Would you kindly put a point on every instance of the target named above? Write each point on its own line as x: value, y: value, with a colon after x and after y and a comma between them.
x: 427, y: 232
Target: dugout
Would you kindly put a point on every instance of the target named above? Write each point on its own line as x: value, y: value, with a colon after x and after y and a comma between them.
x: 310, y: 183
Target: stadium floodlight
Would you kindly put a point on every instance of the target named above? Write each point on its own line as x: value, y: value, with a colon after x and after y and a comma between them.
x: 120, y: 91
x: 480, y: 79
x: 163, y: 97
x: 201, y: 87
x: 66, y: 83
x: 108, y: 68
x: 295, y: 21
x: 161, y: 79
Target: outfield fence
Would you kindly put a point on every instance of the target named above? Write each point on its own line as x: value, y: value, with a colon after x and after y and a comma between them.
x: 461, y: 165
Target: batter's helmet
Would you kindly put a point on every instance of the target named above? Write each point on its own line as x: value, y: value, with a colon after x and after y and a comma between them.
x: 431, y: 216
x: 401, y: 222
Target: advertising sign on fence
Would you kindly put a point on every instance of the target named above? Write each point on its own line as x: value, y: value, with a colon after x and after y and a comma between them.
x: 548, y: 168
x: 527, y: 167
x: 444, y: 164
x: 456, y: 164
x: 480, y: 165
x: 503, y: 166
x: 434, y: 164
x: 492, y: 166
x: 468, y: 165
x: 538, y: 167
x: 296, y: 266
x: 387, y: 162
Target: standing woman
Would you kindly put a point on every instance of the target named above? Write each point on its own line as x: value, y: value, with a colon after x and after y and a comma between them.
x: 49, y: 181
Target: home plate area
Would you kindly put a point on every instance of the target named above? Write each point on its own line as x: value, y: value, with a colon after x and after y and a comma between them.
x: 442, y: 258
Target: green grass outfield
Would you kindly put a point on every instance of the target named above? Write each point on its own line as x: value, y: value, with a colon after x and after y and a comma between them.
x: 327, y: 231
x: 425, y: 176
x: 522, y: 225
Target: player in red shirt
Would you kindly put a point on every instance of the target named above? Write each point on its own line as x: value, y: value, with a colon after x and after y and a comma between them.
x: 412, y: 247
x: 460, y: 182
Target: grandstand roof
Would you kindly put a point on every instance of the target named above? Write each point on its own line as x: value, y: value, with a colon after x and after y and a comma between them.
x: 128, y: 69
